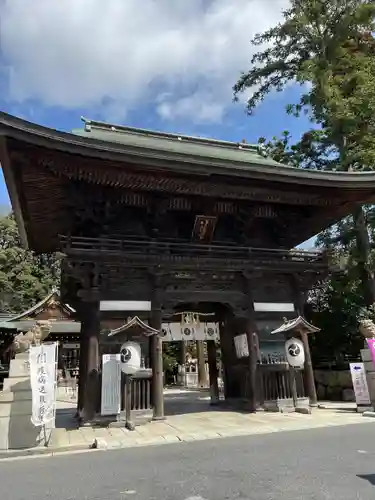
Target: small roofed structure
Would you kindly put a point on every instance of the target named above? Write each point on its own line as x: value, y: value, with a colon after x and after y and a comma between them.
x: 136, y: 324
x: 134, y: 329
x: 64, y: 328
x: 301, y: 327
x: 62, y: 316
x: 295, y: 325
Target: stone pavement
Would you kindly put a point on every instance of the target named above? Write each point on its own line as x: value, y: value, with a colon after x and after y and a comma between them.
x: 190, y: 418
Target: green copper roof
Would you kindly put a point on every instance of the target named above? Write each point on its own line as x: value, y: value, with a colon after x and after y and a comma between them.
x: 174, y: 143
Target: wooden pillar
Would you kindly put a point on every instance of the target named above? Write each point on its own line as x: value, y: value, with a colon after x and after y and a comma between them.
x: 212, y: 367
x: 201, y: 362
x: 308, y: 371
x: 92, y: 363
x: 182, y: 362
x: 251, y: 335
x: 227, y: 351
x: 83, y: 348
x: 157, y: 356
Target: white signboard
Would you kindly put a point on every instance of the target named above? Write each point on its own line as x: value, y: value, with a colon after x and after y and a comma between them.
x: 111, y: 384
x: 241, y: 346
x: 358, y: 373
x: 43, y: 371
x: 176, y: 331
x: 295, y: 353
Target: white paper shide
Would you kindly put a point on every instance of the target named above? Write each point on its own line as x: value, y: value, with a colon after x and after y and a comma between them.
x: 42, y: 359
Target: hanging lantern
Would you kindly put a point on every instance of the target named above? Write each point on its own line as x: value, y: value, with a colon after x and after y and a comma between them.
x: 295, y: 353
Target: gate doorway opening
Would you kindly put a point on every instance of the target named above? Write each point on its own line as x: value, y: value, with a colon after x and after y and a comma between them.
x: 193, y: 368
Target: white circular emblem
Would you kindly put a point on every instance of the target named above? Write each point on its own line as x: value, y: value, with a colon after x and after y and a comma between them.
x: 295, y: 353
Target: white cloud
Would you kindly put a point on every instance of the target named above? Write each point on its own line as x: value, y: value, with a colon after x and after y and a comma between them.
x: 182, y: 56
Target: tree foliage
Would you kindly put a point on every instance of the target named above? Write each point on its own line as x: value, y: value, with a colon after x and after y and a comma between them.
x: 335, y: 304
x: 328, y: 48
x: 25, y: 278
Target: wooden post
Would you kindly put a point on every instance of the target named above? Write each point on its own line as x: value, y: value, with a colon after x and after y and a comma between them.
x: 182, y: 374
x: 308, y: 371
x: 212, y: 367
x: 157, y: 357
x: 92, y: 364
x: 202, y: 375
x: 128, y: 403
x: 227, y: 351
x: 251, y: 335
x: 83, y: 348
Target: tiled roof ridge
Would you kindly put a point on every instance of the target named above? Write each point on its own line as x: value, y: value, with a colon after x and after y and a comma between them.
x: 169, y: 135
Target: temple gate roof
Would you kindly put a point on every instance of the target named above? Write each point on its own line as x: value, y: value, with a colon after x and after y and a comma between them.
x: 42, y: 167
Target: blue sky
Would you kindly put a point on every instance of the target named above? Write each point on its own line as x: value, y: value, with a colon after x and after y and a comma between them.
x: 270, y: 120
x: 169, y: 66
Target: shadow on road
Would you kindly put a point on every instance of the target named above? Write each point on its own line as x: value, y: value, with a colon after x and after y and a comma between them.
x: 368, y: 477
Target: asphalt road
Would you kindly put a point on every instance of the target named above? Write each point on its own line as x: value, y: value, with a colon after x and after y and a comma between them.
x: 336, y: 462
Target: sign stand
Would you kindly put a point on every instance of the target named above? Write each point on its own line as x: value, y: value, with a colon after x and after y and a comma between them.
x: 130, y: 355
x: 362, y: 395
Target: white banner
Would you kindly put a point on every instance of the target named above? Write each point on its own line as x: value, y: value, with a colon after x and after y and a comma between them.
x: 43, y: 371
x: 111, y: 384
x: 358, y: 373
x: 183, y: 331
x: 241, y: 346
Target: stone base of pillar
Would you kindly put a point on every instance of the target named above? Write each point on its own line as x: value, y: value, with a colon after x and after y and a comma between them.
x: 16, y: 430
x: 158, y: 419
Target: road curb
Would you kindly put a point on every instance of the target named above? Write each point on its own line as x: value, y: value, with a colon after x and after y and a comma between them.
x: 42, y: 452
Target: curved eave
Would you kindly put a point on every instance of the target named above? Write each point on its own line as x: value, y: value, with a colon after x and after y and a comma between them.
x: 146, y: 329
x: 39, y: 306
x: 203, y: 164
x: 295, y: 324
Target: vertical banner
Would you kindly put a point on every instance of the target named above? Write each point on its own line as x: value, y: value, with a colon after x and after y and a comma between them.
x: 43, y: 372
x: 241, y: 346
x: 358, y: 373
x: 111, y: 384
x: 371, y: 346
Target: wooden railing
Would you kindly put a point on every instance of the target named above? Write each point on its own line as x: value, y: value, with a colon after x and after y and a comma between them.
x: 141, y: 395
x: 148, y: 248
x: 141, y: 400
x: 277, y: 386
x: 277, y: 382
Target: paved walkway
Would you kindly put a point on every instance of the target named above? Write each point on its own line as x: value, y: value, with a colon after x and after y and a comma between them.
x: 190, y: 418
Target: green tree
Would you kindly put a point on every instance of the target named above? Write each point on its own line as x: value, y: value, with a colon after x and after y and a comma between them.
x: 336, y: 303
x: 326, y: 46
x: 25, y: 278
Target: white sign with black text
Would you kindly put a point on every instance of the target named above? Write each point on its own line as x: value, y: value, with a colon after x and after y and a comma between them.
x: 358, y: 373
x: 43, y: 378
x: 111, y: 384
